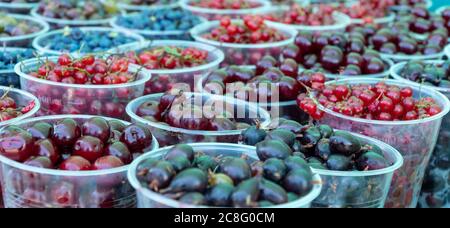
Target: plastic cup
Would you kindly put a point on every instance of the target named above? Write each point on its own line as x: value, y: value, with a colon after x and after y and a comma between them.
x: 341, y: 23
x: 9, y: 77
x: 415, y: 140
x: 60, y: 98
x: 20, y: 8
x: 149, y: 199
x: 403, y: 57
x: 177, y: 77
x: 41, y: 43
x: 382, y: 20
x: 61, y: 23
x: 216, y: 14
x: 356, y: 189
x: 156, y: 35
x: 30, y: 187
x: 244, y: 54
x: 24, y: 40
x: 283, y: 109
x: 434, y: 191
x: 447, y: 51
x: 166, y: 135
x: 441, y: 9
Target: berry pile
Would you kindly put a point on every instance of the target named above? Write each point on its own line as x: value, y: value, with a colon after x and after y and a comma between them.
x: 310, y: 15
x: 78, y: 99
x: 148, y: 2
x: 225, y: 4
x: 10, y: 26
x: 368, y: 10
x: 76, y: 40
x: 8, y: 59
x: 198, y: 179
x: 9, y: 109
x: 96, y: 144
x: 419, y: 20
x: 168, y: 58
x: 336, y: 53
x: 76, y: 10
x: 252, y: 30
x: 373, y: 102
x: 432, y: 74
x: 160, y: 20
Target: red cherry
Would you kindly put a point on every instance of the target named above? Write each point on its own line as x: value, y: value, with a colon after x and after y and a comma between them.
x: 75, y: 163
x: 64, y: 60
x: 89, y: 148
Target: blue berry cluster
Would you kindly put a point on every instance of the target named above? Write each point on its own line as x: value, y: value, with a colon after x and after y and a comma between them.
x: 8, y: 59
x: 86, y: 41
x: 160, y: 20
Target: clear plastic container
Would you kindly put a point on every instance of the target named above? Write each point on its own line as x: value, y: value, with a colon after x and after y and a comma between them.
x: 447, y: 51
x: 22, y: 98
x: 244, y: 54
x: 41, y: 43
x: 341, y: 23
x: 177, y: 77
x: 60, y: 98
x: 24, y: 40
x: 20, y: 8
x: 415, y: 140
x: 356, y: 189
x: 9, y: 77
x: 215, y: 14
x: 441, y: 9
x: 382, y: 20
x: 156, y: 35
x: 167, y: 135
x: 30, y: 187
x: 56, y: 23
x: 435, y: 188
x: 403, y: 57
x: 149, y: 199
x: 284, y: 109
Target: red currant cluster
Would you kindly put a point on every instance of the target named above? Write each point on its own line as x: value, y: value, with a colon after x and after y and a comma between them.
x: 252, y: 30
x: 225, y: 4
x: 310, y: 15
x: 86, y: 70
x: 367, y: 9
x: 169, y: 57
x: 373, y: 102
x: 10, y: 110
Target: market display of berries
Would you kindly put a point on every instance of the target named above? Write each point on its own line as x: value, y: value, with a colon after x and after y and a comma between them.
x: 373, y: 102
x: 160, y: 20
x: 309, y: 15
x: 77, y: 145
x: 11, y: 26
x: 76, y: 10
x: 74, y: 40
x: 432, y: 74
x: 10, y: 109
x: 198, y: 179
x: 252, y: 30
x: 336, y: 53
x: 168, y: 58
x: 9, y: 57
x: 225, y: 4
x: 67, y: 85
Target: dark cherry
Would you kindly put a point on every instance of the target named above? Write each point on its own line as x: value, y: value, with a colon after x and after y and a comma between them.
x: 40, y: 162
x: 107, y: 162
x: 46, y: 148
x: 88, y: 147
x: 319, y: 42
x: 303, y: 42
x: 420, y: 12
x: 66, y: 132
x: 310, y: 61
x: 354, y: 59
x: 289, y: 67
x: 431, y: 50
x: 75, y: 163
x: 41, y: 130
x: 274, y: 74
x: 356, y: 46
x: 289, y: 88
x: 137, y: 137
x: 120, y: 150
x: 388, y: 48
x: 117, y: 125
x: 352, y: 70
x: 97, y: 127
x: 375, y: 66
x: 420, y: 25
x: 292, y: 52
x: 266, y: 63
x: 17, y: 146
x: 407, y: 46
x: 338, y: 39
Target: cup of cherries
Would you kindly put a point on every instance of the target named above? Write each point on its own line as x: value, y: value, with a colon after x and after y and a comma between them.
x: 174, y: 63
x: 221, y: 175
x: 406, y: 116
x: 70, y: 161
x: 85, y: 85
x: 245, y: 41
x: 183, y: 117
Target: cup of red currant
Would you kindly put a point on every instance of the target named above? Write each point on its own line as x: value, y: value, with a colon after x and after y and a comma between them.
x: 84, y: 40
x: 182, y: 117
x: 216, y: 9
x: 71, y: 161
x: 20, y: 30
x: 434, y: 74
x: 406, y: 116
x: 246, y: 41
x: 221, y: 175
x: 174, y: 63
x: 85, y: 85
